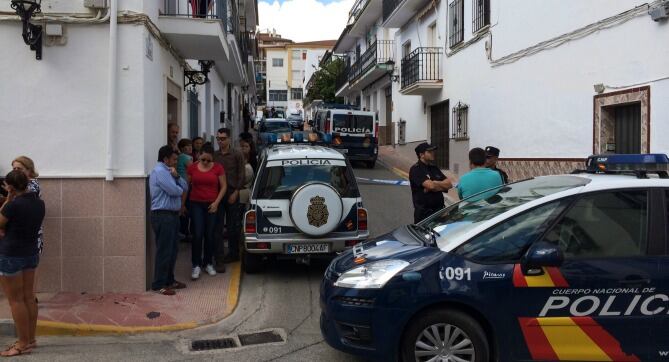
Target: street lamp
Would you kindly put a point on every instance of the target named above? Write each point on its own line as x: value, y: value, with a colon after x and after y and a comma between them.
x: 32, y: 34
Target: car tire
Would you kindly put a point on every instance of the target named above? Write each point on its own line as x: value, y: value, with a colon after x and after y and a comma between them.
x: 465, y: 326
x: 370, y: 164
x: 252, y: 263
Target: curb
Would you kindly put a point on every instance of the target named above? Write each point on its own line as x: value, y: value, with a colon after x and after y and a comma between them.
x: 50, y: 328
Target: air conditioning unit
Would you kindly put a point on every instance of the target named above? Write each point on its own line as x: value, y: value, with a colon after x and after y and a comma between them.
x: 660, y: 12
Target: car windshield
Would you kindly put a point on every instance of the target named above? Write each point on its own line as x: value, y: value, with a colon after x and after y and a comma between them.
x: 462, y: 217
x: 279, y: 182
x: 276, y: 127
x: 353, y: 123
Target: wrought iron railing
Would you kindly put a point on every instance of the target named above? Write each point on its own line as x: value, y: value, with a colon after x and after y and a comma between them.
x: 210, y: 9
x: 247, y: 45
x: 381, y: 51
x: 388, y: 7
x: 420, y: 65
x: 481, y: 14
x: 342, y: 78
x: 356, y: 10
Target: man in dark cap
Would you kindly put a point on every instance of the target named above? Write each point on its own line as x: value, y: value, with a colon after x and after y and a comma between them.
x: 427, y: 183
x: 492, y: 154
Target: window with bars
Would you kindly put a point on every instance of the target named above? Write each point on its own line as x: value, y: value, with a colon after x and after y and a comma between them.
x: 459, y: 122
x: 278, y: 95
x: 456, y: 11
x: 296, y: 93
x: 480, y: 14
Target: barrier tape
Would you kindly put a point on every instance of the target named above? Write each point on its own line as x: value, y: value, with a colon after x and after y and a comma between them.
x: 383, y: 182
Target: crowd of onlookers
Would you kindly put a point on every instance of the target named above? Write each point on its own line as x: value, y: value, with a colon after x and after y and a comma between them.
x: 199, y: 195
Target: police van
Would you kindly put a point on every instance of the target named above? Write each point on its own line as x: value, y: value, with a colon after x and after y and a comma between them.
x: 555, y: 268
x: 355, y: 133
x: 305, y: 204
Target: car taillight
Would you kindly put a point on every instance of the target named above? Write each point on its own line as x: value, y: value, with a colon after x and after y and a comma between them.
x: 327, y: 126
x: 261, y: 246
x: 362, y: 219
x: 337, y: 141
x: 367, y: 142
x: 350, y: 243
x: 376, y: 130
x: 250, y: 222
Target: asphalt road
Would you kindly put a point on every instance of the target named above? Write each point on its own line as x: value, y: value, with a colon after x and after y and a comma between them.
x: 284, y: 299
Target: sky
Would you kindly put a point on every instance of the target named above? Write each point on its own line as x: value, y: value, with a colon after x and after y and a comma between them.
x: 305, y: 20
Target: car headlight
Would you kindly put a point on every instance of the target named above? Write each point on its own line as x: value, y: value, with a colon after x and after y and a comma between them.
x: 371, y: 276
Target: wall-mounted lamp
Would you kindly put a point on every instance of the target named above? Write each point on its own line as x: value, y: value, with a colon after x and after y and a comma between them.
x: 32, y: 34
x: 394, y: 77
x: 198, y: 76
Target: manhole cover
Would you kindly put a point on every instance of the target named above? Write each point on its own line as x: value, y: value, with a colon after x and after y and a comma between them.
x: 209, y: 344
x: 259, y: 338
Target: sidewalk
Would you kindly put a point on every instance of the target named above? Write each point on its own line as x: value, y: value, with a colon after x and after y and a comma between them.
x: 204, y: 301
x: 400, y: 158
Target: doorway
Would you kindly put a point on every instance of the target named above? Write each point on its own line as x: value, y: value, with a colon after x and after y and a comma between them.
x: 389, y: 131
x: 439, y: 132
x: 628, y: 128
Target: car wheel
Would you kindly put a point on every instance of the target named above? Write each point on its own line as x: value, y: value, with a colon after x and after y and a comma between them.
x: 445, y: 335
x: 370, y: 164
x: 252, y: 263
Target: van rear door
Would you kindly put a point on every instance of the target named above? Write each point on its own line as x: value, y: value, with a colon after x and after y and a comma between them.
x: 355, y: 134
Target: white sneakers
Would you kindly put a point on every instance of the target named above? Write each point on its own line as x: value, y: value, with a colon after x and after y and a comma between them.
x: 196, y: 273
x: 197, y: 270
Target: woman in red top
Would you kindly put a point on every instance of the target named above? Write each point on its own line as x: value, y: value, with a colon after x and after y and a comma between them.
x: 208, y: 185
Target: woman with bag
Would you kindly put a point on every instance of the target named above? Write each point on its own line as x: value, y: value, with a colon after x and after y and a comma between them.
x: 245, y: 192
x: 21, y: 217
x: 208, y: 185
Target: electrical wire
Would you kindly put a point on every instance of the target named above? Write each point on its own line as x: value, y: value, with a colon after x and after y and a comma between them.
x: 574, y: 35
x: 636, y: 84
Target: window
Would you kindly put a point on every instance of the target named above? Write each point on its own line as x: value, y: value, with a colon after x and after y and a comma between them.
x: 459, y: 122
x: 607, y: 224
x: 296, y: 93
x: 297, y: 75
x: 459, y: 218
x: 279, y: 182
x: 406, y: 48
x: 480, y: 14
x: 277, y: 62
x: 278, y: 95
x: 508, y: 241
x: 456, y: 22
x: 355, y: 123
x: 296, y: 54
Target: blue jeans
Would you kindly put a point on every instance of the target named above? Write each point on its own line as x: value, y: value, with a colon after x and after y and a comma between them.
x: 13, y: 265
x: 204, y: 224
x: 165, y: 225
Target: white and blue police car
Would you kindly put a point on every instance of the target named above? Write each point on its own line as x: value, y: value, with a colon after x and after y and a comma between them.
x: 305, y: 203
x: 555, y: 268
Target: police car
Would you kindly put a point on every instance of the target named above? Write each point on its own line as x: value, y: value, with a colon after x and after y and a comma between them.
x: 305, y: 204
x: 555, y: 268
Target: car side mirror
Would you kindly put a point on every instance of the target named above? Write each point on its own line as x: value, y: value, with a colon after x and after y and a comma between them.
x: 540, y: 255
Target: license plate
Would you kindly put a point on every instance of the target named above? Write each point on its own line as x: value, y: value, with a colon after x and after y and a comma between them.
x: 307, y: 248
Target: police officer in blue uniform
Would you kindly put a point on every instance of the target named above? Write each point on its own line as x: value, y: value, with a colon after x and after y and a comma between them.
x: 492, y: 155
x: 427, y: 183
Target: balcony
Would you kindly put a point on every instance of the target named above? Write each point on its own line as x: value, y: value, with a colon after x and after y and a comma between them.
x: 341, y: 82
x: 396, y: 13
x: 374, y: 63
x: 196, y: 29
x: 421, y: 71
x: 363, y: 15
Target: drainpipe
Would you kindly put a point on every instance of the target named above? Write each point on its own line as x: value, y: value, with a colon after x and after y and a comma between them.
x: 112, y: 88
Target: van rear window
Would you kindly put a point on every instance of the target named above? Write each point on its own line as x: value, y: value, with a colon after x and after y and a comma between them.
x: 352, y: 123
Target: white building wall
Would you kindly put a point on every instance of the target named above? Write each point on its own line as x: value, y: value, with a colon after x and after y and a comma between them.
x: 551, y: 93
x: 277, y: 77
x: 67, y: 92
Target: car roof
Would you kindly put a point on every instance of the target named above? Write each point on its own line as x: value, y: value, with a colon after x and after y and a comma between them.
x: 613, y: 181
x: 347, y: 111
x: 275, y: 120
x: 294, y: 151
